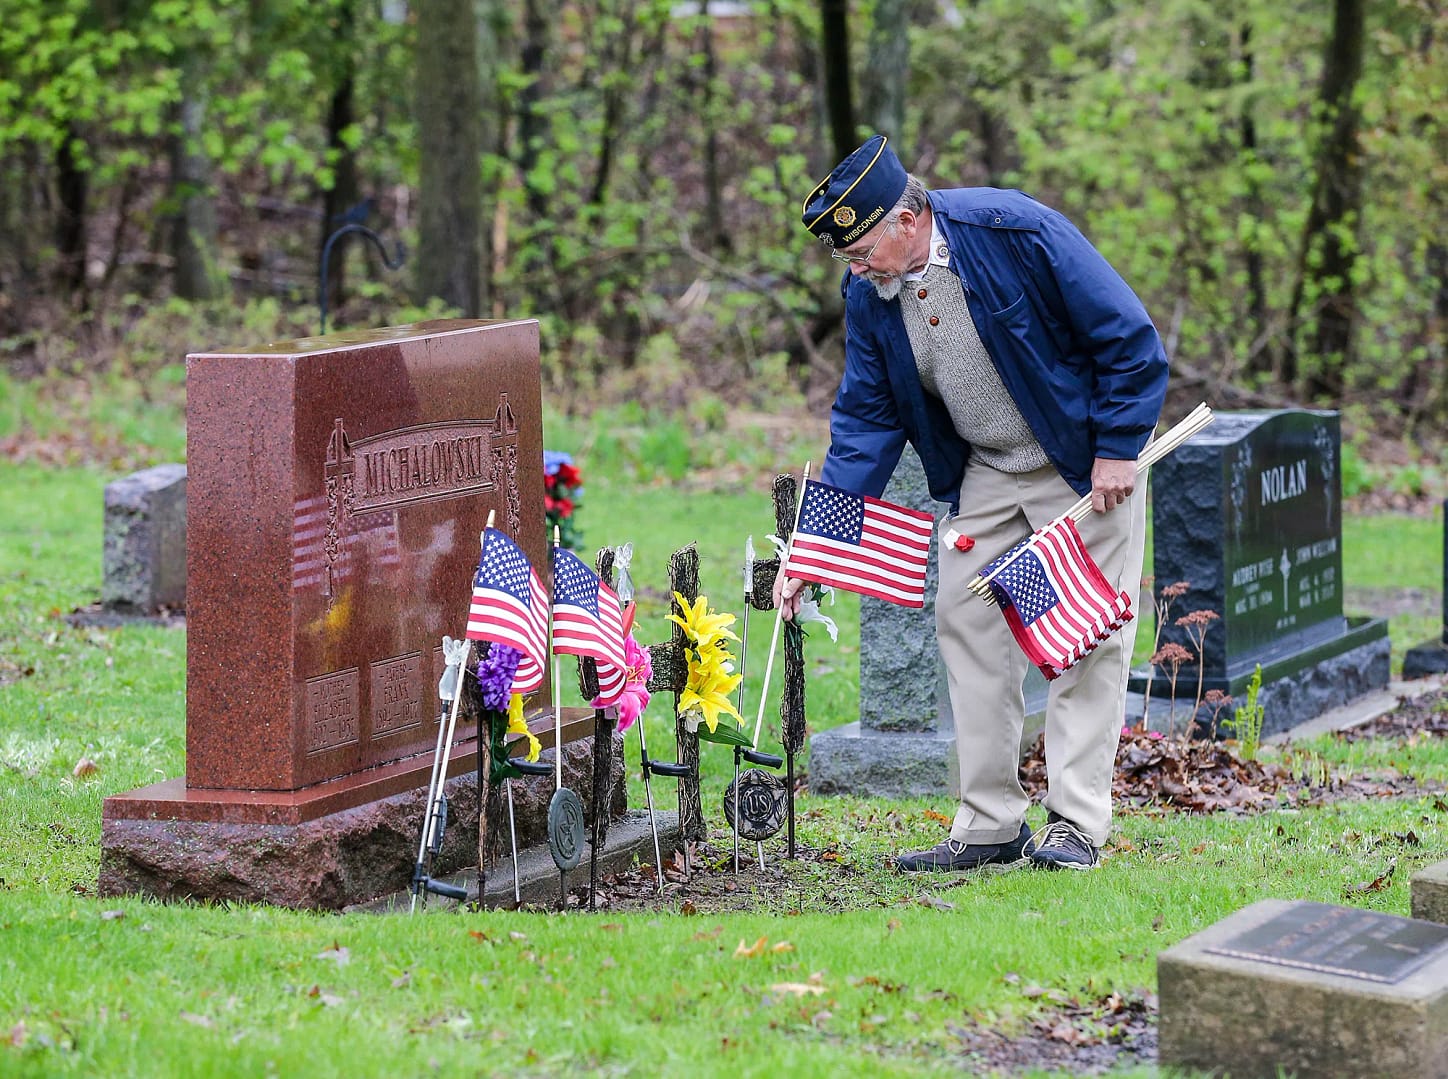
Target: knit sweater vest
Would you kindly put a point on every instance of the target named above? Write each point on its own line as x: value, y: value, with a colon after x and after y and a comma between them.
x: 955, y: 367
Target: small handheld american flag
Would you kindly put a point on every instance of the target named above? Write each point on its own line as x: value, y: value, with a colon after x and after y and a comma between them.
x: 587, y: 621
x: 1057, y: 602
x: 861, y: 544
x: 510, y: 606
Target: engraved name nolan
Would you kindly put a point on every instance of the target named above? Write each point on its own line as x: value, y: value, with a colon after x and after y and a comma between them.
x: 1283, y: 482
x: 432, y: 461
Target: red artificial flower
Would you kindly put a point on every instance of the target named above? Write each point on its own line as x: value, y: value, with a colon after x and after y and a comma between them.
x: 568, y: 475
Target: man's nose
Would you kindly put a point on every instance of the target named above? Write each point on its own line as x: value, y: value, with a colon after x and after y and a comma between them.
x: 859, y: 268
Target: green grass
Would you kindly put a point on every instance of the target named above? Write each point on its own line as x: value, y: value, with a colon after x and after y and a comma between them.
x: 131, y: 987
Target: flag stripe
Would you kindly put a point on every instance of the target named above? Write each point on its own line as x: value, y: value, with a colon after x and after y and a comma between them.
x: 1055, y: 599
x: 861, y: 544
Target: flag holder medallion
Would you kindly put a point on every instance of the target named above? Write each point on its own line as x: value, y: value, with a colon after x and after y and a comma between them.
x: 565, y: 828
x: 760, y: 801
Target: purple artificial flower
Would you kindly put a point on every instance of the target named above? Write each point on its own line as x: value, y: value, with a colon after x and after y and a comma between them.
x: 495, y: 675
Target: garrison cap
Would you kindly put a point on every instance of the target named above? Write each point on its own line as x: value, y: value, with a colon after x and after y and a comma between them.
x: 856, y: 196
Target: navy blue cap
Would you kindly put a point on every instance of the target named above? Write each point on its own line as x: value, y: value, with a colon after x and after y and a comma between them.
x: 856, y: 196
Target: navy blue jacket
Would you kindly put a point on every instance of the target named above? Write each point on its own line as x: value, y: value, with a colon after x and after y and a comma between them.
x: 1072, y: 342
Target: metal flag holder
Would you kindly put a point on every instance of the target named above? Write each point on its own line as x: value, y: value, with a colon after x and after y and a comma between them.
x: 670, y: 769
x: 434, y: 821
x: 756, y: 825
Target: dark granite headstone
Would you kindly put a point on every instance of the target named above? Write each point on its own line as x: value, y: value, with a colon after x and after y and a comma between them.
x: 904, y: 742
x: 1250, y: 512
x: 1431, y: 657
x: 337, y: 490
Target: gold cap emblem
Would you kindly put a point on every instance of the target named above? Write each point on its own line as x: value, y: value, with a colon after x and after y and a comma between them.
x: 844, y: 216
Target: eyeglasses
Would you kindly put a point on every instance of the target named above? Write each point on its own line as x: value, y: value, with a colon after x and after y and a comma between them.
x: 868, y: 255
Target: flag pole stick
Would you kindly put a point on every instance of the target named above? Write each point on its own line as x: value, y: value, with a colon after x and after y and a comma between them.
x: 557, y: 689
x: 1195, y: 421
x: 779, y: 611
x: 743, y: 655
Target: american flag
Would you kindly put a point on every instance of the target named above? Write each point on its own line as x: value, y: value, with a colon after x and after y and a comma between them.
x: 587, y: 621
x: 1056, y: 600
x: 509, y: 606
x: 861, y: 544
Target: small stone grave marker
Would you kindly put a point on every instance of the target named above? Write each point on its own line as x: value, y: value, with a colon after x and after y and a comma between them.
x: 1309, y: 989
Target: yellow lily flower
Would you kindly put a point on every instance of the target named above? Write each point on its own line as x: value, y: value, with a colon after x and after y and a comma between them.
x: 516, y: 725
x: 711, y: 681
x: 701, y: 626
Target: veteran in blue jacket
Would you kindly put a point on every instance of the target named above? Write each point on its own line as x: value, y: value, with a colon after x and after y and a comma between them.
x: 984, y: 329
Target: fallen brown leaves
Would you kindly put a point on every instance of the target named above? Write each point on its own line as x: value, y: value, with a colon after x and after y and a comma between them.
x: 1201, y: 776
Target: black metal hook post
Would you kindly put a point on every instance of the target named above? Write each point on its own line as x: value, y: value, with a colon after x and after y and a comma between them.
x: 391, y: 264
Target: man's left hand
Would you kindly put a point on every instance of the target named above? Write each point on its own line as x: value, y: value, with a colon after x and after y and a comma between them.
x: 1111, y: 483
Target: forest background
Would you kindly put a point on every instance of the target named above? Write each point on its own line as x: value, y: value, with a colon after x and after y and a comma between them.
x: 1269, y: 176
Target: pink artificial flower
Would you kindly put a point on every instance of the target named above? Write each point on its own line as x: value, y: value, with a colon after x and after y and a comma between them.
x: 639, y: 668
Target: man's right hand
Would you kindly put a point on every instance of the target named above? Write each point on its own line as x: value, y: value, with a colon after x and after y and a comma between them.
x: 788, y: 594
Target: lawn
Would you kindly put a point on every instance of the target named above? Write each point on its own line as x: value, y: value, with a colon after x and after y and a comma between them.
x: 849, y: 969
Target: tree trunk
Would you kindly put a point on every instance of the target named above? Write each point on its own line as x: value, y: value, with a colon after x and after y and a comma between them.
x: 718, y: 235
x: 1329, y: 244
x: 72, y: 188
x: 888, y: 68
x: 1259, y: 362
x: 839, y: 103
x: 192, y: 224
x: 449, y: 100
x: 342, y: 202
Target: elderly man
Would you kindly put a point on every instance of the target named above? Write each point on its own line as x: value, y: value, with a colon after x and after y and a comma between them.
x: 985, y: 330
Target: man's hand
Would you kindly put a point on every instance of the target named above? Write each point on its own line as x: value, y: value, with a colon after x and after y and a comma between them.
x: 788, y: 594
x: 1111, y: 483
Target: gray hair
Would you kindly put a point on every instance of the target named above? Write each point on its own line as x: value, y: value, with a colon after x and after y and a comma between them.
x: 913, y: 198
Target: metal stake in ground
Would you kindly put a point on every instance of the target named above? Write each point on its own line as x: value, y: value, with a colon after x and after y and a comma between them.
x: 565, y: 810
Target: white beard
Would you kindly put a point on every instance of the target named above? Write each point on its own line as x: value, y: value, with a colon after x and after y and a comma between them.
x: 887, y: 288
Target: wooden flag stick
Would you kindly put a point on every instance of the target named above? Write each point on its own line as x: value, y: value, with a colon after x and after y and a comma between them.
x: 779, y: 611
x: 557, y: 690
x: 1195, y: 421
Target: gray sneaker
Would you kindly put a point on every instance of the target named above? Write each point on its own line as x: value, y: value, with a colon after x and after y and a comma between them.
x: 1061, y: 845
x: 954, y: 855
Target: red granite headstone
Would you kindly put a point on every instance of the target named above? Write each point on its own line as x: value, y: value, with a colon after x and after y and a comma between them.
x: 337, y: 488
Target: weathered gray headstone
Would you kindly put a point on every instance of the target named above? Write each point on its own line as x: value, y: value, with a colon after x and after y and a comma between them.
x: 904, y: 742
x: 1250, y: 512
x: 143, y: 564
x: 1292, y: 987
x: 1431, y: 657
x: 1429, y: 889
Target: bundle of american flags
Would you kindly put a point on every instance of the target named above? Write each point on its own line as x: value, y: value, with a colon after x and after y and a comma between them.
x: 510, y: 606
x: 1055, y: 598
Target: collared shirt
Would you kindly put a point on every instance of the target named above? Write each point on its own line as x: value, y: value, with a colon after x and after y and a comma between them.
x: 939, y: 251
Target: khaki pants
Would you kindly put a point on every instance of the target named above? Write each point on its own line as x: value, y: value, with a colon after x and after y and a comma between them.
x: 986, y: 668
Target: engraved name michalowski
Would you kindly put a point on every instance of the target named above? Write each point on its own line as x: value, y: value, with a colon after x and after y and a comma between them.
x: 432, y: 461
x: 416, y: 464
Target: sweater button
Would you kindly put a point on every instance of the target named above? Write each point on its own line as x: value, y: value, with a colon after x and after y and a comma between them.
x: 923, y: 293
x: 934, y: 320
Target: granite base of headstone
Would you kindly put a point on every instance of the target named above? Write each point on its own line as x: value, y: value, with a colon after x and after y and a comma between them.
x: 336, y: 491
x: 1249, y: 511
x: 1299, y: 988
x: 172, y: 844
x: 1428, y: 889
x: 903, y: 744
x: 1431, y: 657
